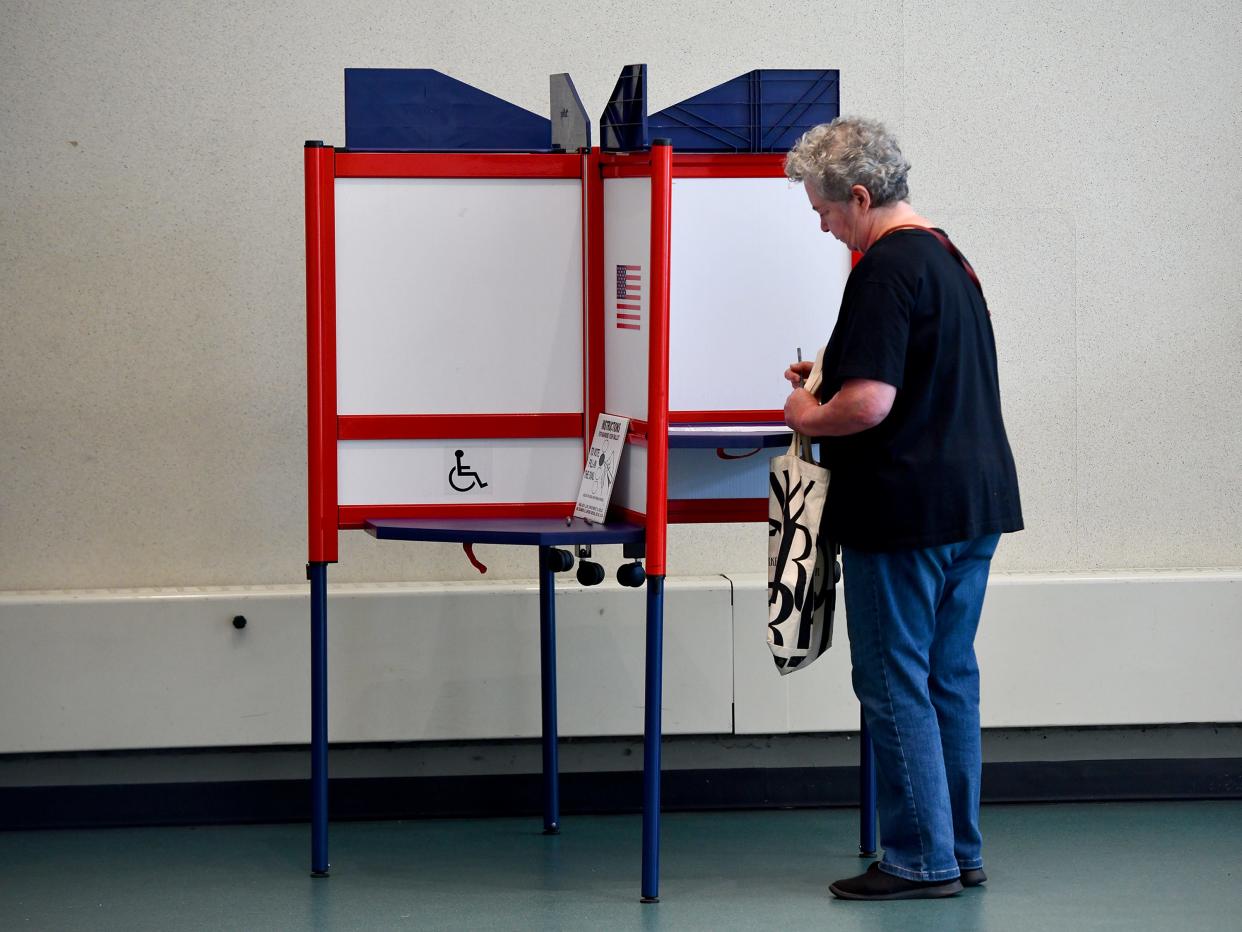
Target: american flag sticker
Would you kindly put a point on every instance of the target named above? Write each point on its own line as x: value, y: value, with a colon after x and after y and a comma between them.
x: 629, y: 297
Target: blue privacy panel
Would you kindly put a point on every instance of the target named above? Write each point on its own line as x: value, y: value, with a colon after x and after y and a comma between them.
x: 762, y: 111
x: 420, y: 109
x: 623, y: 125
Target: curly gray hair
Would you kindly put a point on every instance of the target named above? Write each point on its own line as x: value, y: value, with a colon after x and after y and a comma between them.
x: 848, y: 151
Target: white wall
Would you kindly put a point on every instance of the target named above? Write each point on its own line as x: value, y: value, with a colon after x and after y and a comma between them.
x: 151, y: 262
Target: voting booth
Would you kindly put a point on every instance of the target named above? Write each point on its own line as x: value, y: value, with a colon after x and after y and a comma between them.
x: 483, y: 283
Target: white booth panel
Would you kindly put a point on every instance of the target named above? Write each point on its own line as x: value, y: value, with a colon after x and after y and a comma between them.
x: 699, y: 472
x: 627, y: 291
x: 394, y: 472
x: 752, y: 279
x: 458, y: 295
x: 630, y: 489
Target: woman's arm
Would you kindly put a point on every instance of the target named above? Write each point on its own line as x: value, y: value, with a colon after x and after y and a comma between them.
x: 860, y: 405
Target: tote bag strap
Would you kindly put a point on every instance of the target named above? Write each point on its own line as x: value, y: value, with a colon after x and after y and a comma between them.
x: 816, y: 378
x: 799, y: 444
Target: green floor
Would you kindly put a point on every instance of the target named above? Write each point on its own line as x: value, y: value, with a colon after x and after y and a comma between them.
x: 1065, y: 868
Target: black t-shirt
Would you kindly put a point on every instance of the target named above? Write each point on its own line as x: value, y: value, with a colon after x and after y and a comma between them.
x: 938, y: 469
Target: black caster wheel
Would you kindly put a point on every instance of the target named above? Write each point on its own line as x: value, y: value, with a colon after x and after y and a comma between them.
x: 560, y: 560
x: 631, y: 574
x: 590, y: 574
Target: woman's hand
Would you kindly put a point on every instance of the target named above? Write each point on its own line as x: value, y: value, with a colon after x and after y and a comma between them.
x: 799, y: 403
x: 797, y: 372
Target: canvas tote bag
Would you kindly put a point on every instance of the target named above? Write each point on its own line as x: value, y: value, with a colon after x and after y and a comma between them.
x: 801, y: 564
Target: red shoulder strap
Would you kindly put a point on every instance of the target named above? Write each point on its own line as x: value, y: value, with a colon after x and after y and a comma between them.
x: 953, y: 251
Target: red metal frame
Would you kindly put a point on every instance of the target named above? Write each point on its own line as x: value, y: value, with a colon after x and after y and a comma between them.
x: 698, y: 165
x: 593, y: 256
x: 318, y: 162
x: 704, y: 511
x: 456, y: 165
x: 726, y: 165
x: 625, y: 165
x: 717, y: 510
x: 453, y: 426
x: 657, y: 359
x: 324, y: 164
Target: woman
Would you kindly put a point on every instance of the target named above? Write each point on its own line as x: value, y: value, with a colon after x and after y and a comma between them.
x: 923, y: 485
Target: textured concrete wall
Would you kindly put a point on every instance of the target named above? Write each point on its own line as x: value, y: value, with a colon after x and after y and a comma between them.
x: 152, y: 388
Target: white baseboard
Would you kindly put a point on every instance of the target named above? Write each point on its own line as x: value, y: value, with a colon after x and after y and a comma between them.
x: 1053, y: 651
x: 162, y: 669
x: 89, y: 671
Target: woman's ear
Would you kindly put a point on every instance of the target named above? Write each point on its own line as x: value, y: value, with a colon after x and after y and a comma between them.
x: 860, y: 196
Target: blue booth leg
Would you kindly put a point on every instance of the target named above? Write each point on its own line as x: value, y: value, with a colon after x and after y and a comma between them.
x: 866, y: 791
x: 318, y: 574
x: 651, y: 740
x: 547, y: 673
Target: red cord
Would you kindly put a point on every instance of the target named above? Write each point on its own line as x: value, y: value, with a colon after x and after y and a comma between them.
x: 474, y: 561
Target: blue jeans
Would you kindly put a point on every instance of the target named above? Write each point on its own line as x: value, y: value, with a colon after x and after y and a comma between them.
x: 912, y: 617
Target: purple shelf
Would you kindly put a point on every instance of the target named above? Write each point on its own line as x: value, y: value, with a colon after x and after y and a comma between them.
x: 703, y: 437
x: 543, y: 532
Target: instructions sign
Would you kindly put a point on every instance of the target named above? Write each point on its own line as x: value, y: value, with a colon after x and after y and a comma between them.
x: 601, y: 467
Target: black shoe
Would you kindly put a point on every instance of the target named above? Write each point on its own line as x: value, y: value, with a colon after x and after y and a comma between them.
x: 878, y: 885
x: 973, y: 877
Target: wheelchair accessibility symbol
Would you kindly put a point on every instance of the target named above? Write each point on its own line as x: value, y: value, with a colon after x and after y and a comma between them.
x: 462, y: 478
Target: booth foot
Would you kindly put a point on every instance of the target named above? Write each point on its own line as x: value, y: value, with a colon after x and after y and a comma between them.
x: 552, y: 829
x: 649, y: 899
x: 317, y: 874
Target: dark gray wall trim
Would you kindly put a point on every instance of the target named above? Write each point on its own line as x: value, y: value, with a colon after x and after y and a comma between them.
x: 233, y: 802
